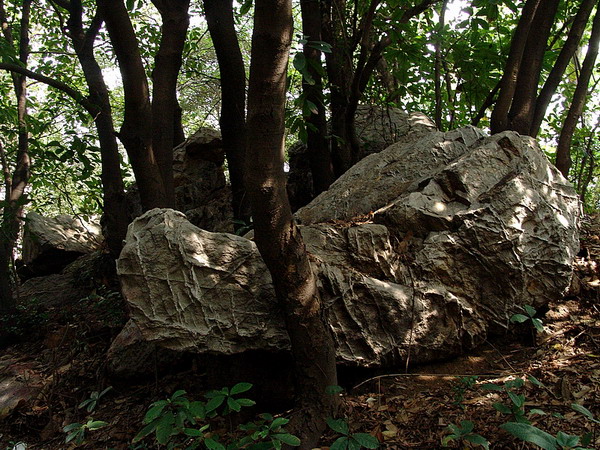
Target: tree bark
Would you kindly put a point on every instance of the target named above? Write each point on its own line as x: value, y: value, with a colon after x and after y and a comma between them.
x: 318, y: 150
x: 277, y: 237
x: 115, y: 210
x: 15, y: 197
x: 221, y: 25
x: 566, y: 53
x: 500, y: 119
x: 136, y: 130
x: 175, y: 22
x: 522, y: 108
x: 563, y: 149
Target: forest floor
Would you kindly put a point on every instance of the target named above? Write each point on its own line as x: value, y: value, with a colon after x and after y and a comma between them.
x: 60, y: 362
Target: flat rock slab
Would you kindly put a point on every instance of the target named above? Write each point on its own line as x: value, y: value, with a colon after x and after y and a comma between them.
x: 422, y: 250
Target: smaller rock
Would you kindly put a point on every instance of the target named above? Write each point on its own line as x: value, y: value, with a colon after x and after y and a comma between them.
x: 131, y: 356
x: 51, y: 243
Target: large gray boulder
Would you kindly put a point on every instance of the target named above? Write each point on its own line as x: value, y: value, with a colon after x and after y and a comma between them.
x: 421, y: 252
x: 52, y: 243
x: 376, y: 129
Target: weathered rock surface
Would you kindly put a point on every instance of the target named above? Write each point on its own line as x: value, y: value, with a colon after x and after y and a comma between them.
x: 376, y: 128
x: 421, y: 251
x: 51, y: 243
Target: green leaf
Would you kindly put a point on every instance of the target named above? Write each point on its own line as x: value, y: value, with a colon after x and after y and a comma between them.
x: 491, y: 387
x: 583, y: 410
x: 566, y: 440
x: 72, y: 426
x: 233, y: 404
x: 519, y: 318
x: 95, y: 424
x: 246, y: 7
x: 178, y: 394
x: 533, y: 380
x: 246, y: 402
x: 334, y: 390
x: 198, y: 410
x: 288, y: 439
x: 537, y: 323
x: 530, y: 310
x: 518, y: 400
x: 502, y: 408
x: 192, y: 432
x: 300, y: 62
x: 213, y: 445
x: 214, y: 403
x: 366, y: 440
x: 279, y: 422
x: 477, y: 439
x: 164, y: 432
x: 155, y: 411
x: 240, y: 387
x: 145, y: 431
x: 529, y: 433
x: 536, y: 411
x: 340, y: 443
x: 338, y: 425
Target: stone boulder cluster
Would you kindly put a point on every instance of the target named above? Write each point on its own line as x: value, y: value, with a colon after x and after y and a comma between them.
x: 422, y: 250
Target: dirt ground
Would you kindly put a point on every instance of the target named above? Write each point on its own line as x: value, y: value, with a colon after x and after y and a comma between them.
x: 61, y: 361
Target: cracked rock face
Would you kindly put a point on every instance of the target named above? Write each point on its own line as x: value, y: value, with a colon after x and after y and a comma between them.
x: 421, y: 251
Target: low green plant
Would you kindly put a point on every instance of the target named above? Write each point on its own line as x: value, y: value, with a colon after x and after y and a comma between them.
x: 460, y: 387
x: 76, y: 431
x: 464, y: 433
x: 516, y: 405
x: 180, y: 423
x: 536, y: 324
x: 90, y: 403
x: 350, y: 440
x: 529, y: 433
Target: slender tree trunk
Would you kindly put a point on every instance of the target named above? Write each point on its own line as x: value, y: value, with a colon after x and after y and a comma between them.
x: 15, y: 197
x: 319, y: 154
x: 221, y: 25
x: 438, y: 67
x: 563, y: 150
x: 508, y: 84
x: 555, y: 77
x: 168, y: 61
x: 524, y: 99
x: 115, y: 209
x: 136, y: 130
x: 276, y: 235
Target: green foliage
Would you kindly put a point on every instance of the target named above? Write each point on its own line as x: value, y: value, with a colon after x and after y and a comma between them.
x: 29, y: 317
x: 516, y: 405
x: 531, y: 312
x: 180, y: 423
x: 76, y: 431
x: 464, y: 432
x: 90, y: 403
x: 460, y: 387
x: 350, y: 440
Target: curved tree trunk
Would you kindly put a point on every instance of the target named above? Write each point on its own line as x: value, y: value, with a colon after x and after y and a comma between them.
x: 319, y: 154
x: 508, y: 84
x: 277, y: 237
x: 566, y: 53
x: 522, y: 108
x: 115, y: 210
x: 175, y: 22
x: 15, y: 196
x: 136, y: 130
x: 221, y: 25
x: 563, y: 150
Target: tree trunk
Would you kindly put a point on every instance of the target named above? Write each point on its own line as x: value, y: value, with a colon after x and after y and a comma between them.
x: 558, y: 70
x: 115, y: 209
x: 136, y: 130
x: 524, y: 99
x: 508, y: 84
x: 221, y: 25
x: 168, y: 60
x: 563, y: 149
x: 318, y: 151
x: 15, y: 196
x: 277, y: 237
